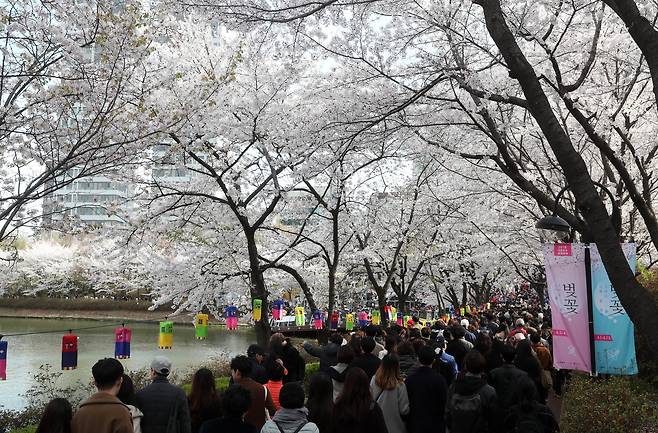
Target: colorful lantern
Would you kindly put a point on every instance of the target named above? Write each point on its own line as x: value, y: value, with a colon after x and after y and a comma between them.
x: 376, y: 317
x: 257, y: 310
x: 488, y: 306
x: 277, y: 309
x: 462, y: 312
x: 349, y: 321
x: 3, y: 360
x: 166, y: 336
x: 69, y: 352
x: 122, y: 337
x: 394, y: 314
x: 317, y: 319
x: 299, y: 316
x: 201, y: 326
x: 231, y: 315
x: 405, y: 321
x: 335, y: 318
x: 399, y: 319
x: 363, y: 319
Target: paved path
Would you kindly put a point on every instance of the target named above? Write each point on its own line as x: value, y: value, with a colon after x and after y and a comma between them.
x: 555, y: 403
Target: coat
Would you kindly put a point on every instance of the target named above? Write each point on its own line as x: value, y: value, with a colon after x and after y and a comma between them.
x: 136, y: 415
x: 337, y: 374
x: 102, y: 413
x: 163, y: 404
x: 368, y: 363
x: 261, y: 400
x: 504, y: 380
x: 327, y: 354
x: 427, y: 392
x: 289, y: 420
x: 484, y: 422
x: 408, y: 364
x: 394, y: 404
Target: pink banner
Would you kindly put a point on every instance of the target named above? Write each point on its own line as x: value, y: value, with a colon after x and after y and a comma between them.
x: 567, y: 290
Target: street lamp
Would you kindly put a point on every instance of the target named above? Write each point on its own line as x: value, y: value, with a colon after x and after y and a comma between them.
x: 553, y: 229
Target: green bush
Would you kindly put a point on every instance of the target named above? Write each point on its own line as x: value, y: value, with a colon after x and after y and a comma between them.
x: 608, y: 405
x: 28, y: 429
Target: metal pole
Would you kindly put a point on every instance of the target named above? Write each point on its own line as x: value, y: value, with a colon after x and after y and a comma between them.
x: 590, y: 307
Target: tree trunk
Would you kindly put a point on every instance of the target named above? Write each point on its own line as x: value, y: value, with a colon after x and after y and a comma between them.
x: 257, y: 290
x: 642, y: 32
x: 332, y: 295
x: 637, y: 301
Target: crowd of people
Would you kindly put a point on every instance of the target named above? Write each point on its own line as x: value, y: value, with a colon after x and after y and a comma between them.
x: 481, y: 374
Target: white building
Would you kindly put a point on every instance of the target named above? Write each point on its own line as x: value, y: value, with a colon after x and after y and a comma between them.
x: 91, y: 200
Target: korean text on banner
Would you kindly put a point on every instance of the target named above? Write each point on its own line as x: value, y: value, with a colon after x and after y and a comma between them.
x: 614, y: 341
x: 567, y: 290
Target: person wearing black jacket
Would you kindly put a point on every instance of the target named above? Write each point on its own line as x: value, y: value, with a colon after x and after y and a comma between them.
x: 367, y: 361
x: 328, y: 353
x: 256, y: 355
x: 427, y: 392
x: 281, y: 348
x: 164, y: 405
x: 504, y: 379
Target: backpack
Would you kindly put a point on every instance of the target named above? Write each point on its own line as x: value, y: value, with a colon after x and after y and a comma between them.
x: 466, y: 411
x: 296, y: 431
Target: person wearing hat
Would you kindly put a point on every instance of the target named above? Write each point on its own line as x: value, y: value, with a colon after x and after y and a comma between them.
x: 164, y: 405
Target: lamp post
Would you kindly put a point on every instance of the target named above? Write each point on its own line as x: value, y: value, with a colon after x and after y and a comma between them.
x: 555, y: 229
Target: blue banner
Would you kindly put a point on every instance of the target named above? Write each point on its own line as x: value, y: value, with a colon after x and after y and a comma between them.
x: 614, y: 340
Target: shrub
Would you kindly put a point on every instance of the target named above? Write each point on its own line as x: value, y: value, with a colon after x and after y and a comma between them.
x: 608, y: 405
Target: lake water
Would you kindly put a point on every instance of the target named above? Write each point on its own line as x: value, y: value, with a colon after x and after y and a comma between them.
x: 27, y: 353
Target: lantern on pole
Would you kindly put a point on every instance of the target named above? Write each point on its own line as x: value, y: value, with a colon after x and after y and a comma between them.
x: 335, y: 317
x: 231, y: 315
x: 394, y: 314
x: 122, y: 337
x: 3, y: 360
x: 277, y: 309
x: 300, y: 320
x: 363, y: 319
x: 349, y: 321
x: 488, y: 306
x: 376, y: 317
x: 462, y: 312
x: 201, y: 326
x: 399, y: 319
x: 405, y: 321
x: 257, y: 310
x: 317, y: 319
x: 69, y: 352
x: 166, y: 336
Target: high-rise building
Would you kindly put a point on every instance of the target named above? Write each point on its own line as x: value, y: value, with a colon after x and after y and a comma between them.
x: 90, y: 200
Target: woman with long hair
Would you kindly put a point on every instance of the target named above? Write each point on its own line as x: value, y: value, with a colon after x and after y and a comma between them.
x: 127, y: 396
x: 203, y: 400
x: 56, y: 417
x: 355, y: 411
x: 320, y: 403
x: 390, y: 393
x: 527, y: 361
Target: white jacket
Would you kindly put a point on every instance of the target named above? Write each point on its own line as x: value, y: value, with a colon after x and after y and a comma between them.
x: 136, y: 415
